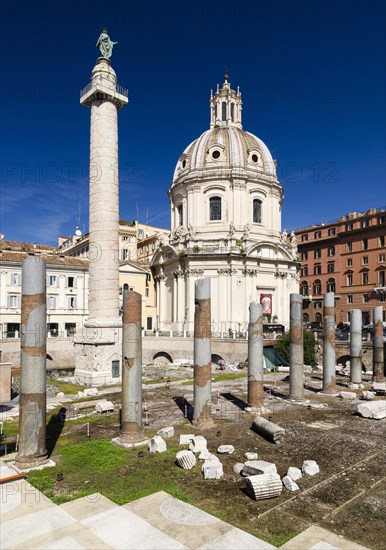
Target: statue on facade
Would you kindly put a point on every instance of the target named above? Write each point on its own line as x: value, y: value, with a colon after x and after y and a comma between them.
x: 105, y: 45
x: 191, y: 232
x: 247, y: 229
x: 160, y: 240
x: 232, y: 229
x: 283, y: 237
x: 294, y: 245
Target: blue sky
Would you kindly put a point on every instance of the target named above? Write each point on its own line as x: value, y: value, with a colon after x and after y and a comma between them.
x: 311, y: 73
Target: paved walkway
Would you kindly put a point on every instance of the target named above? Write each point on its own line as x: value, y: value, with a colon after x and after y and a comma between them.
x: 156, y: 522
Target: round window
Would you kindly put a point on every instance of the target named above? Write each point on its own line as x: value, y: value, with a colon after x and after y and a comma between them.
x: 216, y: 154
x: 255, y: 158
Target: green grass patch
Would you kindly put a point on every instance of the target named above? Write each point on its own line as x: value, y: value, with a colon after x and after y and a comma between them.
x: 218, y: 377
x: 66, y: 387
x: 98, y: 466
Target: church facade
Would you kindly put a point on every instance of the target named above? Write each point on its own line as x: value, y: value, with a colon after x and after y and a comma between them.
x: 226, y: 205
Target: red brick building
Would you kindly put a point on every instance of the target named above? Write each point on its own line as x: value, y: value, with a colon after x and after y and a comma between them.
x: 347, y: 257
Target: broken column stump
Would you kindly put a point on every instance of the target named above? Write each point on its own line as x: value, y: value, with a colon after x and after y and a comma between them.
x: 264, y: 486
x: 270, y: 431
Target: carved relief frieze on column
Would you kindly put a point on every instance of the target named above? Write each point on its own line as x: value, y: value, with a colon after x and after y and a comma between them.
x: 194, y: 272
x: 227, y: 271
x: 250, y: 272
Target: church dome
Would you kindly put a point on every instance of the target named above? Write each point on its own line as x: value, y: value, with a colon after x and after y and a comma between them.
x: 225, y: 145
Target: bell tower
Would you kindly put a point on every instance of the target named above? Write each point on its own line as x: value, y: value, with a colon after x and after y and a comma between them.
x: 225, y: 106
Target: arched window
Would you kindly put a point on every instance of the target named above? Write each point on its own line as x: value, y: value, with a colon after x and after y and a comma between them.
x: 318, y: 318
x: 317, y: 287
x: 215, y: 208
x: 331, y: 285
x: 304, y: 288
x: 223, y: 111
x: 233, y: 112
x: 256, y: 211
x: 306, y: 318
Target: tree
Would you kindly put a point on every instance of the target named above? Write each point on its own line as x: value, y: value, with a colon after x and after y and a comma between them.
x: 282, y: 344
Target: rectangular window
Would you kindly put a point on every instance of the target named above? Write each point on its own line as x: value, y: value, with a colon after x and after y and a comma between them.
x: 71, y: 282
x: 381, y: 258
x: 304, y: 271
x: 349, y: 299
x: 70, y: 328
x: 317, y: 234
x: 305, y: 237
x: 331, y: 251
x: 365, y: 244
x: 152, y: 247
x: 331, y: 268
x: 52, y: 280
x: 146, y: 292
x: 13, y: 301
x: 365, y: 223
x: 223, y: 111
x: 365, y: 260
x: 349, y: 262
x: 381, y: 278
x: 349, y: 226
x: 125, y: 237
x: 317, y: 269
x: 318, y: 305
x: 381, y: 240
x: 51, y: 302
x: 125, y: 254
x: 256, y: 211
x: 349, y: 279
x: 71, y: 302
x: 215, y: 208
x: 317, y: 253
x: 180, y: 215
x: 149, y: 323
x: 141, y: 233
x: 15, y: 279
x: 349, y: 247
x: 365, y: 298
x: 365, y: 278
x: 115, y: 369
x: 381, y: 219
x: 331, y: 231
x: 304, y: 256
x: 53, y: 329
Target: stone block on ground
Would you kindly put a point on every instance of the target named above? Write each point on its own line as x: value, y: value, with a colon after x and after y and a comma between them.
x: 60, y: 394
x: 238, y: 467
x: 368, y: 395
x: 185, y: 439
x: 375, y: 410
x: 89, y: 392
x: 310, y: 467
x: 104, y: 406
x: 294, y: 473
x: 251, y: 456
x: 166, y: 432
x: 259, y: 467
x: 212, y: 469
x: 379, y: 387
x: 186, y: 459
x: 289, y: 483
x: 157, y: 444
x: 198, y: 444
x: 207, y: 455
x: 347, y: 395
x: 226, y: 449
x: 264, y: 486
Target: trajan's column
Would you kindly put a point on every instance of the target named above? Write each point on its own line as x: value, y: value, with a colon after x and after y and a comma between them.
x: 98, y: 343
